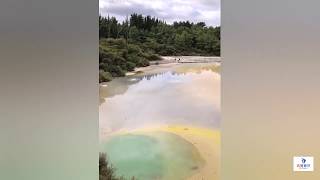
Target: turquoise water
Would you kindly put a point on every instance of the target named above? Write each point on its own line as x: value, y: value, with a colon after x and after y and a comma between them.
x: 163, y: 155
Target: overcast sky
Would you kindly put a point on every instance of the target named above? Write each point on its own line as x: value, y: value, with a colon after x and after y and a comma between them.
x: 207, y: 11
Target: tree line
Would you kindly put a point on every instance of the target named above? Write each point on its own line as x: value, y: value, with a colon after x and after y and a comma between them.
x: 140, y: 39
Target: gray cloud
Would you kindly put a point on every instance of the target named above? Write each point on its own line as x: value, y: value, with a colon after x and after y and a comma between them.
x: 207, y: 11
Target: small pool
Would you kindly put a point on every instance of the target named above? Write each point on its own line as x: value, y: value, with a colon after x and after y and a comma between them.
x: 152, y: 156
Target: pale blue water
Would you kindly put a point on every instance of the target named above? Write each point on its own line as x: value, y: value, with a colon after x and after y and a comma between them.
x: 164, y: 156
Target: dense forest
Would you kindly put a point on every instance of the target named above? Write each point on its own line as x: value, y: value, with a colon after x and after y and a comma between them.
x: 140, y: 39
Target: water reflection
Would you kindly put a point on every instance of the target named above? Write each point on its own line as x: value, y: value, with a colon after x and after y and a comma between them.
x: 184, y: 94
x: 120, y: 85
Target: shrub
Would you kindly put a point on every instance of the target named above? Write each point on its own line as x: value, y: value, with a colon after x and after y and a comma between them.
x: 133, y: 58
x: 104, y: 76
x: 143, y: 62
x: 106, y: 171
x: 115, y: 70
x: 131, y: 66
x: 151, y: 57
